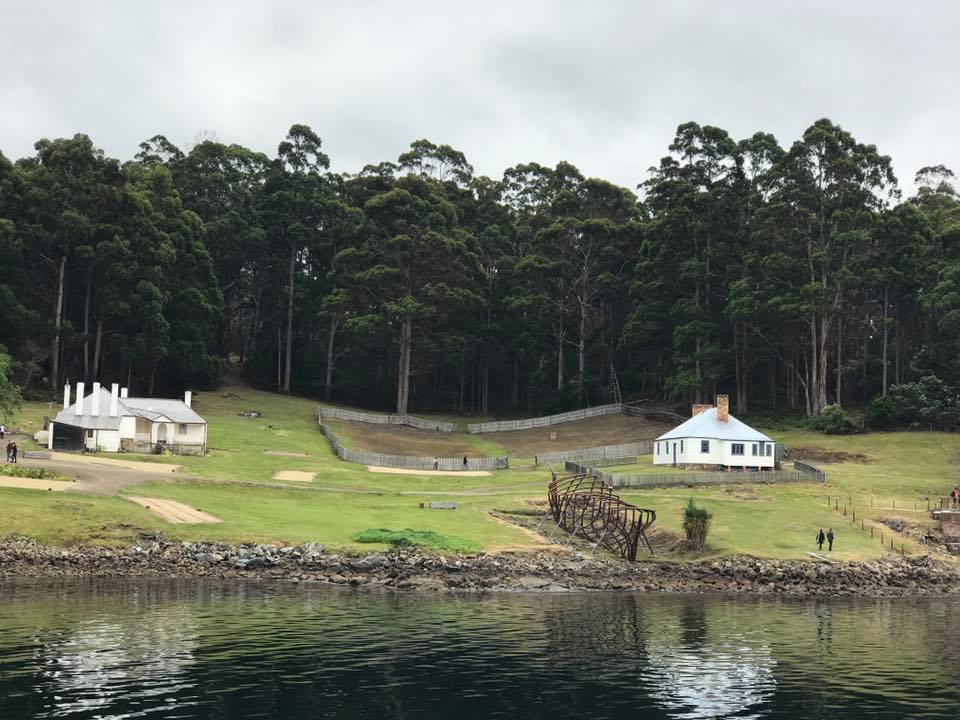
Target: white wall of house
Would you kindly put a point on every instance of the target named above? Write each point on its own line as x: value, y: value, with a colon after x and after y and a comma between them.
x: 128, y: 427
x: 106, y: 440
x: 689, y: 452
x: 193, y: 433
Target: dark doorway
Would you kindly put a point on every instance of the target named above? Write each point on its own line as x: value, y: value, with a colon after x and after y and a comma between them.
x: 67, y: 437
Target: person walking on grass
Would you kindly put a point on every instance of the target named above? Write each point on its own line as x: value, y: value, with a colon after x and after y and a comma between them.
x: 3, y: 431
x: 436, y: 464
x: 820, y: 538
x: 830, y: 540
x: 12, y: 452
x: 464, y: 462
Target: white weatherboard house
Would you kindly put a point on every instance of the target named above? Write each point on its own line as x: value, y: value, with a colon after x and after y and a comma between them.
x: 715, y: 437
x: 113, y: 422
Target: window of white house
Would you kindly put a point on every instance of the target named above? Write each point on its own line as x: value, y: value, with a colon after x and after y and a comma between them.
x: 90, y: 434
x: 754, y: 449
x: 182, y: 428
x: 681, y: 446
x: 704, y: 446
x: 736, y: 449
x: 769, y: 449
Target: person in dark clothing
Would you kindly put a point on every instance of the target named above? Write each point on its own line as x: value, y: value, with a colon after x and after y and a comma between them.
x: 464, y: 462
x: 830, y: 539
x: 954, y: 497
x: 12, y: 451
x: 820, y: 538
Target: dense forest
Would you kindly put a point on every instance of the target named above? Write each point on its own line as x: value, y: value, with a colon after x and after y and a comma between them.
x: 789, y: 277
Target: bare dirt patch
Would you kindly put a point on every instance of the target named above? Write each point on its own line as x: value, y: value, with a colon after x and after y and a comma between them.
x: 405, y: 471
x: 592, y: 432
x: 32, y: 484
x: 173, y: 511
x: 823, y: 455
x: 144, y: 467
x: 401, y: 440
x: 287, y: 453
x: 294, y: 475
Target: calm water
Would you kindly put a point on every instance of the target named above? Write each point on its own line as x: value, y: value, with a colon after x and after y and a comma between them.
x: 196, y: 650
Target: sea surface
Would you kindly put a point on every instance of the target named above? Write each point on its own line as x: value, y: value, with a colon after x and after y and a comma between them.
x: 194, y: 649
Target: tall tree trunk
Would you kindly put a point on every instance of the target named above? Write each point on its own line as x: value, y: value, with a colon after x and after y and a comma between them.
x: 328, y: 381
x: 515, y: 390
x: 485, y: 391
x: 560, y: 360
x: 289, y: 357
x: 58, y: 318
x: 886, y: 336
x: 97, y: 345
x: 403, y: 381
x: 839, y: 360
x: 86, y: 330
x: 581, y: 361
x: 823, y: 371
x: 279, y: 360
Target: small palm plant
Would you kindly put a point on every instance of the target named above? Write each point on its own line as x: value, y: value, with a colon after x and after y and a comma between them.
x: 696, y: 524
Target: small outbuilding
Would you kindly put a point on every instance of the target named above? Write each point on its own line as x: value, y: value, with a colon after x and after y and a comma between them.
x: 715, y: 437
x: 113, y: 422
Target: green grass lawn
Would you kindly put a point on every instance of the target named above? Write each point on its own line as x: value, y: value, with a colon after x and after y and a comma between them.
x: 234, y: 482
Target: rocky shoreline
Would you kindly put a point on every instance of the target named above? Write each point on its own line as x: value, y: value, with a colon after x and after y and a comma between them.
x: 509, y: 572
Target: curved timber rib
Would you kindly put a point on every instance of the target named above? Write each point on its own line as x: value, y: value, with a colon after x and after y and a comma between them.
x: 586, y: 506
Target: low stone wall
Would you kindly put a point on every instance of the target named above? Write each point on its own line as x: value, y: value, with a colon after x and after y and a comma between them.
x: 143, y: 447
x: 542, y: 572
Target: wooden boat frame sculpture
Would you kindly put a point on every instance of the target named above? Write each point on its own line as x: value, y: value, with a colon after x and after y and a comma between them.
x: 585, y: 505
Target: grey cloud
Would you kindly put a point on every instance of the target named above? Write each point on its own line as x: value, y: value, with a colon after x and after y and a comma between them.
x: 601, y: 84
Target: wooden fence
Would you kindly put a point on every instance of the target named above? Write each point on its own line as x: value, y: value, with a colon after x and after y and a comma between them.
x: 594, y: 454
x: 385, y: 419
x: 811, y: 470
x: 663, y: 416
x: 546, y: 420
x: 410, y: 462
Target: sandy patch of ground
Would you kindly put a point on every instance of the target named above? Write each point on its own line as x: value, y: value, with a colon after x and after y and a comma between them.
x: 286, y: 453
x: 295, y: 475
x: 404, y: 471
x: 173, y: 511
x: 145, y: 467
x: 32, y: 484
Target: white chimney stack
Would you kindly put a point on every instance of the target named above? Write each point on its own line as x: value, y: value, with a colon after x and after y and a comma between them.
x: 187, y: 398
x: 79, y: 398
x: 66, y: 396
x: 95, y: 400
x: 123, y: 393
x: 114, y: 393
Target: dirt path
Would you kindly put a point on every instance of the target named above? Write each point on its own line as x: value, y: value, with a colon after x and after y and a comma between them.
x: 32, y: 484
x: 173, y: 511
x: 98, y: 477
x: 452, y: 473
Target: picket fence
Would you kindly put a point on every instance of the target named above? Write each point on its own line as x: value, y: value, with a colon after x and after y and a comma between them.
x: 545, y: 421
x: 591, y: 455
x: 385, y: 419
x: 410, y: 462
x: 689, y: 479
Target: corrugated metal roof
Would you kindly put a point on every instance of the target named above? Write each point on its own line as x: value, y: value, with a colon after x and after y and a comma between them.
x: 150, y: 408
x: 705, y: 425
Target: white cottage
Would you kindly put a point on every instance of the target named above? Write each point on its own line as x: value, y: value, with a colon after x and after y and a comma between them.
x: 715, y: 437
x: 113, y: 422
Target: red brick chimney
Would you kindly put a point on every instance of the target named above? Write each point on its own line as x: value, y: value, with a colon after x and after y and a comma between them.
x: 697, y: 409
x: 723, y: 408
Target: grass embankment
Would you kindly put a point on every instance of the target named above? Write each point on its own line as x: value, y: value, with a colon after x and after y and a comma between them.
x: 234, y: 482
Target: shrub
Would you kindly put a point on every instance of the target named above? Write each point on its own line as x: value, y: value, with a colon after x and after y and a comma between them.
x: 834, y: 420
x: 696, y: 524
x: 929, y: 403
x: 879, y: 413
x: 34, y: 473
x: 415, y: 538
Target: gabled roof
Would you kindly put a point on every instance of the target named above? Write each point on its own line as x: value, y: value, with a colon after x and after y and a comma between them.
x: 705, y: 425
x: 149, y: 408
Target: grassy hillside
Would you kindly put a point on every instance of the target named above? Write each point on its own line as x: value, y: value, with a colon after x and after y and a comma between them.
x: 870, y: 474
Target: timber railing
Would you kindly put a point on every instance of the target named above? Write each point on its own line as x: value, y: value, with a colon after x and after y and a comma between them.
x: 410, y: 462
x: 596, y: 455
x: 810, y: 470
x: 544, y: 421
x: 385, y: 419
x: 687, y: 478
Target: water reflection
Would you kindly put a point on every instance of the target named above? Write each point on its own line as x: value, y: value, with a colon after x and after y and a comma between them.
x: 194, y: 650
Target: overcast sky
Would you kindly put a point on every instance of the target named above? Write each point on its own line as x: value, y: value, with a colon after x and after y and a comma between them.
x: 600, y: 84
